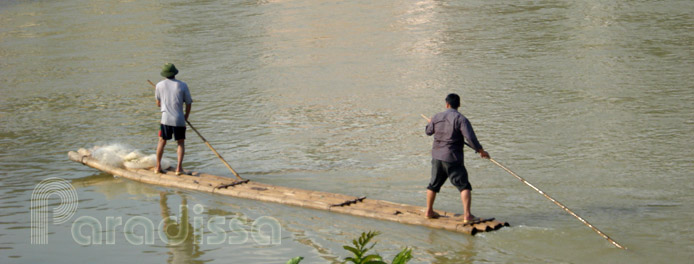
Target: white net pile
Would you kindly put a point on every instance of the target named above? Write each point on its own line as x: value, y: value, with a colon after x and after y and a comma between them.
x: 122, y: 156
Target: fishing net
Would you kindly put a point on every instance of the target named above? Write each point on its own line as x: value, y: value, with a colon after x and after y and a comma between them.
x: 123, y: 156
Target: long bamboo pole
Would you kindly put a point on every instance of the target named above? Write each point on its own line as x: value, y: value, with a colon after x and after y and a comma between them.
x: 562, y: 206
x: 208, y: 144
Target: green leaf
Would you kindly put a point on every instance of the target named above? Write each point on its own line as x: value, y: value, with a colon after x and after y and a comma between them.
x: 354, y: 251
x: 372, y: 257
x: 372, y: 246
x: 375, y: 262
x: 403, y: 257
x: 353, y: 260
x: 295, y: 260
x: 368, y: 236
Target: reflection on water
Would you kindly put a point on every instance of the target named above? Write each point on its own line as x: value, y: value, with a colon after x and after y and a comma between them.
x: 181, y: 240
x: 112, y: 188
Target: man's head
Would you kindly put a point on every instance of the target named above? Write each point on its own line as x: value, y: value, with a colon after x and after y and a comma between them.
x: 453, y: 101
x: 169, y: 70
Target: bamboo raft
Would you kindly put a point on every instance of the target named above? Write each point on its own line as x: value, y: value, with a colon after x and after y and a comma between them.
x: 333, y: 202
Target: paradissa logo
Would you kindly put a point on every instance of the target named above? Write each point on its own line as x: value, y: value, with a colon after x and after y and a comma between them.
x: 39, y: 210
x: 138, y: 230
x: 173, y: 230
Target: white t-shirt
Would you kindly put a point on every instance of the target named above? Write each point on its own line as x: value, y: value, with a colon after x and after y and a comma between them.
x: 172, y: 93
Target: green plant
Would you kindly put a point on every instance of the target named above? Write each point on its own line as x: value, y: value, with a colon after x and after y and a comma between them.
x: 403, y: 257
x: 361, y: 247
x: 295, y: 260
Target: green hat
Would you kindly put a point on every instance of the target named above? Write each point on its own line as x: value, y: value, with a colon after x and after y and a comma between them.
x: 169, y: 70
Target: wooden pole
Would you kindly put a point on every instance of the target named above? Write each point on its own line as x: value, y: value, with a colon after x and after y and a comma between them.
x: 562, y: 206
x: 208, y: 145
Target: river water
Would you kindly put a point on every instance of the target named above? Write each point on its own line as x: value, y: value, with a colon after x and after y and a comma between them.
x: 591, y: 101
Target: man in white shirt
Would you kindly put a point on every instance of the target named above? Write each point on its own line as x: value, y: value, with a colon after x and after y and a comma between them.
x: 171, y: 94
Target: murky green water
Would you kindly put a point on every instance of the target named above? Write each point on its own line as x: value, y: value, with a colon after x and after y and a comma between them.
x: 589, y: 100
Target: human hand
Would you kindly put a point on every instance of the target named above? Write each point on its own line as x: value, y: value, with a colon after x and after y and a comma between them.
x: 484, y: 154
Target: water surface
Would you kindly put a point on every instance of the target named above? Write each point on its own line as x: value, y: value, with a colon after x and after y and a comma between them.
x: 589, y: 100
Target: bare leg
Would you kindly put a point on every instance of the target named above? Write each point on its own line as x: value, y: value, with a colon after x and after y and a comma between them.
x: 160, y: 153
x: 181, y: 151
x: 465, y: 196
x: 431, y: 196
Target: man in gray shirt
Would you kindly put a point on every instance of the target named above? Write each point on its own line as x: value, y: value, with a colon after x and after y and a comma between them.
x: 171, y: 94
x: 450, y: 128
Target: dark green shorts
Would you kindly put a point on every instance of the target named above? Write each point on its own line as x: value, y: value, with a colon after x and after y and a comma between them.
x: 441, y: 170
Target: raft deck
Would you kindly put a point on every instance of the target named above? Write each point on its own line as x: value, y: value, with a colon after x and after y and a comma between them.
x: 333, y: 202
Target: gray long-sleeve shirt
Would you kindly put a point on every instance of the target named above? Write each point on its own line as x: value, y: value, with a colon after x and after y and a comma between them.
x: 450, y: 128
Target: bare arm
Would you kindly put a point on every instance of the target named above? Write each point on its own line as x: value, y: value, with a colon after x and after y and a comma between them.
x: 156, y: 94
x: 188, y: 106
x: 188, y: 100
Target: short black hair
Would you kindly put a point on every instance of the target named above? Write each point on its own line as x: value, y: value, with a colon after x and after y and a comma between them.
x: 453, y: 100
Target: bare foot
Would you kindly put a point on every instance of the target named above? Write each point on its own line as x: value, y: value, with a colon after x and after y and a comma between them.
x: 158, y: 171
x: 470, y: 219
x: 432, y: 215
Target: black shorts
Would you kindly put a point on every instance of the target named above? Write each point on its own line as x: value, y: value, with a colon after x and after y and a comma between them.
x: 166, y: 132
x: 441, y: 170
